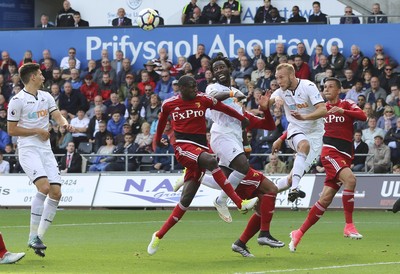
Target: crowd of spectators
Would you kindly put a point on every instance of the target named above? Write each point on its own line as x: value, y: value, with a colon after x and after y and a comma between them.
x: 228, y: 13
x: 115, y: 109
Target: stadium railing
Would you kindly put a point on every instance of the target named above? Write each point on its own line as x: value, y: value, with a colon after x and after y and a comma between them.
x: 88, y: 158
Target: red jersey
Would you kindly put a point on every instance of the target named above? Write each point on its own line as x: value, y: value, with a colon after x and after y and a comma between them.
x: 188, y: 117
x: 339, y: 127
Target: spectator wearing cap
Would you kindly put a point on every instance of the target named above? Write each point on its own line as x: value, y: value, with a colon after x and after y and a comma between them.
x: 149, y: 66
x: 115, y: 124
x: 80, y: 123
x: 175, y: 87
x: 90, y: 89
x: 164, y: 87
x: 163, y: 162
x: 380, y: 161
x: 126, y: 128
x: 115, y: 106
x: 145, y: 81
x: 125, y: 88
x: 135, y: 121
x: 125, y: 70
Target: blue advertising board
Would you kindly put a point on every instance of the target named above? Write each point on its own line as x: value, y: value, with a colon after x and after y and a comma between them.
x: 16, y: 13
x: 140, y: 46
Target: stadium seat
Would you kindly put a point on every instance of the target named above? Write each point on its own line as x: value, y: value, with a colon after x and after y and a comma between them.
x: 85, y: 148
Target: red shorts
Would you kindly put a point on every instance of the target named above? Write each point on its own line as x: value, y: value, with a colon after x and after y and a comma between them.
x: 187, y: 155
x: 333, y: 162
x: 248, y: 188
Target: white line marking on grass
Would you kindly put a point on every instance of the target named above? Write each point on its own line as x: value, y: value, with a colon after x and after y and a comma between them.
x: 322, y: 268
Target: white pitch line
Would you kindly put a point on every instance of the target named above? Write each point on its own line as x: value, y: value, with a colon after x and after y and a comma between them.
x: 321, y: 268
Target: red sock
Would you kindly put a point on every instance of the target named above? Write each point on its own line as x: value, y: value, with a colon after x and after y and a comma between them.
x: 348, y: 205
x: 315, y: 213
x: 3, y: 248
x: 267, y: 208
x: 253, y: 226
x: 175, y: 216
x: 221, y: 180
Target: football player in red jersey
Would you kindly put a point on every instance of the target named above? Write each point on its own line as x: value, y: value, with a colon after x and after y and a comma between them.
x: 336, y: 157
x: 187, y: 112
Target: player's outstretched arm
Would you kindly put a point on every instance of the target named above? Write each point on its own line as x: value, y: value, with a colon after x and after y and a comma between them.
x: 229, y: 111
x: 319, y: 112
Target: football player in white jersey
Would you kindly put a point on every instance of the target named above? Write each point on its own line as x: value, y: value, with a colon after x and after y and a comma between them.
x: 226, y: 134
x: 28, y: 118
x: 304, y: 109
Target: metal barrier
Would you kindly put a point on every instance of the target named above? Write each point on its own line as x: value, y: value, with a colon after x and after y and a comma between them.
x: 126, y: 156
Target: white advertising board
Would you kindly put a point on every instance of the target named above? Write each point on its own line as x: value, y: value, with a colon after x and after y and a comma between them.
x: 77, y: 190
x: 148, y: 190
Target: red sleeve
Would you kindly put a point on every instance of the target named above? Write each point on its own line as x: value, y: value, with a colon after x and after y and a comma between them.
x: 228, y: 110
x: 356, y: 114
x: 161, y: 123
x: 283, y: 136
x: 267, y: 122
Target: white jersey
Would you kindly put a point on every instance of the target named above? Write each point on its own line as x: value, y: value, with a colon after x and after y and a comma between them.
x: 303, y: 100
x: 32, y: 112
x: 223, y: 123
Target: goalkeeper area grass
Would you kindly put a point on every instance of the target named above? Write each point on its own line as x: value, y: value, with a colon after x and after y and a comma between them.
x: 115, y: 241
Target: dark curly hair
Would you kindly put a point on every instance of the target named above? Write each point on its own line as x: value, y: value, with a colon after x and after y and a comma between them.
x: 221, y: 57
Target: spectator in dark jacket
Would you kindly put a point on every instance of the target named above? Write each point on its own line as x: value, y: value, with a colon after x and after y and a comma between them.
x: 163, y: 162
x: 65, y: 17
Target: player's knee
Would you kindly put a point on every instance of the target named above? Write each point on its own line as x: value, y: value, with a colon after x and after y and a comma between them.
x: 55, y: 196
x: 303, y: 147
x: 325, y: 200
x: 350, y: 182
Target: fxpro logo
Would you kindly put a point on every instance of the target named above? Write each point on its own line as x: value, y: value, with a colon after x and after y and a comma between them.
x: 160, y: 193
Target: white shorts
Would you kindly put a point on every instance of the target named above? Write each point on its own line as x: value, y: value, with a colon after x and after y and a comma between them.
x: 38, y: 163
x: 226, y: 147
x: 315, y: 141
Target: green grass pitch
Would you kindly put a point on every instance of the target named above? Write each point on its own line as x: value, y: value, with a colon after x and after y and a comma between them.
x: 115, y: 241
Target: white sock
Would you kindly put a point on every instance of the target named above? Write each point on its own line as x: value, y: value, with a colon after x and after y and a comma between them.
x: 209, y: 181
x: 298, y: 169
x: 234, y: 178
x: 49, y: 212
x: 36, y: 213
x: 282, y: 184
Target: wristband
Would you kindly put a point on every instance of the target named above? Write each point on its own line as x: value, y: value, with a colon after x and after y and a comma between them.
x: 231, y: 93
x: 247, y: 148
